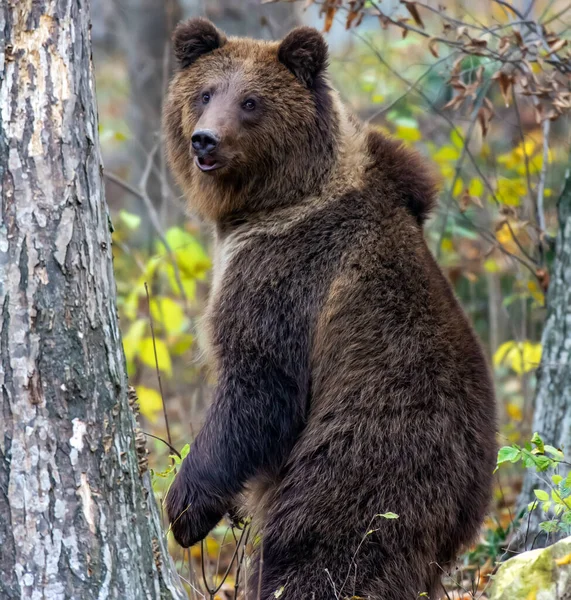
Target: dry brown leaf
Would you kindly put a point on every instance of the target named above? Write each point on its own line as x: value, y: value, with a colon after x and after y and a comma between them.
x: 504, y: 44
x: 432, y: 47
x: 461, y: 31
x: 556, y: 46
x: 404, y: 21
x: 466, y: 199
x: 485, y: 115
x: 543, y: 278
x: 413, y: 10
x: 457, y: 66
x: 455, y: 102
x: 385, y: 22
x: 329, y: 16
x: 505, y: 82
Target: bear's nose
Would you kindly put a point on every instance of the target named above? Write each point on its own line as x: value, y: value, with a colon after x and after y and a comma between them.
x: 204, y: 141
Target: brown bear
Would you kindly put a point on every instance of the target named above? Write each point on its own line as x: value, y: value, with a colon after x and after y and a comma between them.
x: 349, y: 382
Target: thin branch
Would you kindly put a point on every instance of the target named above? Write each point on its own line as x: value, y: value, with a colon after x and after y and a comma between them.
x: 460, y: 162
x: 413, y: 86
x: 154, y: 218
x: 156, y: 437
x: 542, y: 176
x: 157, y: 365
x: 526, y: 157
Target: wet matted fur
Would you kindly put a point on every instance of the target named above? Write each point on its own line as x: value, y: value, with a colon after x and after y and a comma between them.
x: 349, y: 381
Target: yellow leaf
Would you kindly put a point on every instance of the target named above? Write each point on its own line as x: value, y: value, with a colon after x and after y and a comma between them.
x: 447, y: 245
x: 514, y: 411
x: 211, y: 545
x: 133, y: 337
x: 521, y: 357
x: 188, y: 253
x: 147, y: 354
x: 458, y: 187
x: 524, y: 149
x: 408, y: 134
x: 181, y: 344
x: 169, y: 314
x: 456, y: 139
x: 564, y: 560
x: 510, y: 191
x: 446, y: 154
x: 535, y: 292
x: 476, y: 188
x: 491, y: 266
x: 188, y: 283
x: 150, y: 402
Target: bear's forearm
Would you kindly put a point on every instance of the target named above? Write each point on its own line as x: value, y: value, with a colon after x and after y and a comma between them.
x: 251, y: 427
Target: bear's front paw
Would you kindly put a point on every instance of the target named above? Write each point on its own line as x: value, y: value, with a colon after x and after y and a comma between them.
x: 191, y: 515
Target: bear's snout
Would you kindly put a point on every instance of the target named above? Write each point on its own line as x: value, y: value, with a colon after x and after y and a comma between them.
x: 204, y: 145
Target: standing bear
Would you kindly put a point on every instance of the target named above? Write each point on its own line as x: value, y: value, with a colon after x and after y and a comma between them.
x: 349, y: 382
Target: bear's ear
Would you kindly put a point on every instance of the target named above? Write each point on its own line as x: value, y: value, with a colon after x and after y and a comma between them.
x: 304, y: 52
x: 195, y: 37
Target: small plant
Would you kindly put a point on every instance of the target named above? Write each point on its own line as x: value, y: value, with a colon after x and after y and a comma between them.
x: 547, y: 462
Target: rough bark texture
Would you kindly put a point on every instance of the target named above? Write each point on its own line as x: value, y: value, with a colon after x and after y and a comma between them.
x: 552, y: 416
x: 77, y: 520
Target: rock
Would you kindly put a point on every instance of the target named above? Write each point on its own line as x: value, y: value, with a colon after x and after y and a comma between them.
x: 542, y: 574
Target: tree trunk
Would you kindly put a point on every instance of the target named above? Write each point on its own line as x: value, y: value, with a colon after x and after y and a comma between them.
x: 77, y: 516
x: 552, y: 416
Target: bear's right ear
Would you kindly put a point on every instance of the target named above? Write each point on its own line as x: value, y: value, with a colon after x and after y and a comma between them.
x: 195, y: 37
x: 304, y: 52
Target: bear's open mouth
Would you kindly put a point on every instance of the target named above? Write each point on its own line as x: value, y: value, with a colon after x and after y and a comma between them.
x: 207, y: 163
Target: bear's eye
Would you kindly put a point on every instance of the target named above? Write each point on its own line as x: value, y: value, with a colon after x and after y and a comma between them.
x: 205, y: 98
x: 249, y: 104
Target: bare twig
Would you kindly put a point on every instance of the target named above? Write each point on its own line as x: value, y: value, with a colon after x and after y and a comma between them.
x: 171, y: 448
x: 155, y: 222
x: 157, y: 365
x: 541, y: 186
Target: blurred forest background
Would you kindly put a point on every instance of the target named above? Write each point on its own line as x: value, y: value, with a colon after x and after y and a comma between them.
x: 480, y: 88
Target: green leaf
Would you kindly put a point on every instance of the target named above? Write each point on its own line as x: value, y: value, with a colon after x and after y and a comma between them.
x: 542, y: 463
x: 541, y: 495
x: 556, y: 478
x: 549, y: 526
x: 388, y: 515
x: 538, y: 442
x: 147, y: 354
x: 508, y: 454
x: 555, y: 452
x: 131, y: 220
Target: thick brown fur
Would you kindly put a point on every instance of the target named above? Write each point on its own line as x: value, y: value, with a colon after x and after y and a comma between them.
x: 350, y: 383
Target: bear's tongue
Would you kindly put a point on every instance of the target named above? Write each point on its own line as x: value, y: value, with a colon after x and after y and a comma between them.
x: 208, y: 161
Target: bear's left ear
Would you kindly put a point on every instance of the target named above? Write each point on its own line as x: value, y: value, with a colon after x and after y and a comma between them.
x: 304, y: 52
x: 195, y: 37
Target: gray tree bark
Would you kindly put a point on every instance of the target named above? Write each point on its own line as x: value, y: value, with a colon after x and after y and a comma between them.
x: 77, y: 516
x: 552, y: 414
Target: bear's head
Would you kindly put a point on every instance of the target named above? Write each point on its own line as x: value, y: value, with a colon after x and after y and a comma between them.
x: 250, y: 125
